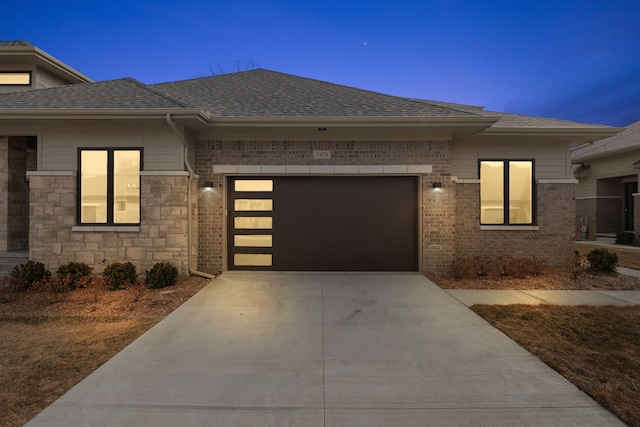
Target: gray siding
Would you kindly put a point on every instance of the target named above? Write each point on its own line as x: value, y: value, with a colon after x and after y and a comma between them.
x: 551, y: 159
x: 59, y: 151
x: 44, y: 79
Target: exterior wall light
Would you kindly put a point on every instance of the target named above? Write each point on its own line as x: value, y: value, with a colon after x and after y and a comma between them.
x: 437, y: 185
x: 208, y: 184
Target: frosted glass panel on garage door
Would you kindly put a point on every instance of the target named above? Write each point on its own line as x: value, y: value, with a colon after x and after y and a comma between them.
x: 253, y: 222
x: 253, y: 240
x: 247, y: 185
x: 252, y: 260
x: 253, y: 205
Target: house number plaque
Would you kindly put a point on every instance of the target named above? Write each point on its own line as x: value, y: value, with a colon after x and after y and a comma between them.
x: 321, y: 154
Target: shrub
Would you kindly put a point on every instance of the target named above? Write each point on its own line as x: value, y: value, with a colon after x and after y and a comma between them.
x: 602, y: 260
x: 72, y: 272
x: 500, y: 266
x: 120, y: 274
x: 162, y: 274
x: 24, y: 275
x: 625, y: 238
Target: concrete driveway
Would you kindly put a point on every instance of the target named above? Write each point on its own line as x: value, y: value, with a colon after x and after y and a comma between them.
x: 324, y: 350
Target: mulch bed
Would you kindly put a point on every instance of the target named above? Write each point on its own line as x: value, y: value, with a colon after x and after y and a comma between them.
x: 549, y: 280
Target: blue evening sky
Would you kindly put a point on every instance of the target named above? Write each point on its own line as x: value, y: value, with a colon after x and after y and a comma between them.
x: 570, y: 59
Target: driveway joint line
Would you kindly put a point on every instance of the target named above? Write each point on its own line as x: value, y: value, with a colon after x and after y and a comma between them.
x: 324, y: 388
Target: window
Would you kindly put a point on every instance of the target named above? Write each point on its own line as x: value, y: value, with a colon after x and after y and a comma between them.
x: 109, y: 186
x: 506, y: 192
x: 15, y: 78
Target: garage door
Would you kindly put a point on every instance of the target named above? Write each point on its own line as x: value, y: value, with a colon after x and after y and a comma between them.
x: 291, y: 223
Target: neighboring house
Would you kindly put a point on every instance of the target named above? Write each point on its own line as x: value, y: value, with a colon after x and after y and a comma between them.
x: 607, y: 199
x: 262, y: 170
x: 25, y: 67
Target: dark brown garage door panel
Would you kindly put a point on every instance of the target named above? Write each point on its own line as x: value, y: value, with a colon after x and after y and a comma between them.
x: 345, y: 224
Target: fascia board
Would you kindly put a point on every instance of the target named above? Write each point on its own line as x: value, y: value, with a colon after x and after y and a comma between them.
x: 594, y: 156
x: 100, y: 113
x: 384, y: 121
x: 41, y: 58
x: 53, y: 62
x: 587, y: 132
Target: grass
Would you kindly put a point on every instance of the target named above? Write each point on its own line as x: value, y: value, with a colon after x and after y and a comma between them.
x: 596, y: 348
x: 44, y: 356
x: 627, y: 257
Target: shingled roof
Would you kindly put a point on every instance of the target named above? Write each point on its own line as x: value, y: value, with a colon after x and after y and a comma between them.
x: 111, y: 94
x: 17, y: 43
x: 267, y: 94
x: 508, y: 120
x: 263, y: 93
x: 626, y: 140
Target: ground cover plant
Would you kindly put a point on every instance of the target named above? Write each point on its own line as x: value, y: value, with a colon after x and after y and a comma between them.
x: 53, y: 337
x: 596, y: 348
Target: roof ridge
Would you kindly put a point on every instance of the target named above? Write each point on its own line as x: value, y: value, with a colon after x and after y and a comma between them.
x: 454, y: 106
x: 206, y: 77
x: 159, y: 93
x: 325, y: 84
x: 412, y: 100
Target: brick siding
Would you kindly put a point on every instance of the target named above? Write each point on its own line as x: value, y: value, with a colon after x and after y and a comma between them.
x: 553, y: 241
x: 609, y: 215
x: 437, y: 224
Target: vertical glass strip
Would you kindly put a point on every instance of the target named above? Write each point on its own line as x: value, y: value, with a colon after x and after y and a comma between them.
x: 93, y: 182
x: 520, y: 192
x: 126, y: 186
x: 492, y: 192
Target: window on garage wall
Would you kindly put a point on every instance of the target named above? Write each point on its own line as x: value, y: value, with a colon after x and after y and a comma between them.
x: 507, y: 192
x: 109, y: 186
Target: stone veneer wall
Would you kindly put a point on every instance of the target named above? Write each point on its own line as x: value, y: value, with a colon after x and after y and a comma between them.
x: 162, y: 235
x: 586, y: 208
x: 553, y: 241
x: 437, y: 223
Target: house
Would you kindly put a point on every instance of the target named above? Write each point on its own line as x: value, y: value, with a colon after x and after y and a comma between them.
x: 262, y: 170
x: 607, y: 199
x: 25, y: 67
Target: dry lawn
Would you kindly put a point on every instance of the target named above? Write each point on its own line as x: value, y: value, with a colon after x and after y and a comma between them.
x: 596, y: 348
x: 550, y: 279
x: 50, y: 341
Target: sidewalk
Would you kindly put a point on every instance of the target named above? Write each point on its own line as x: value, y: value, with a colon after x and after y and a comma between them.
x: 470, y: 297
